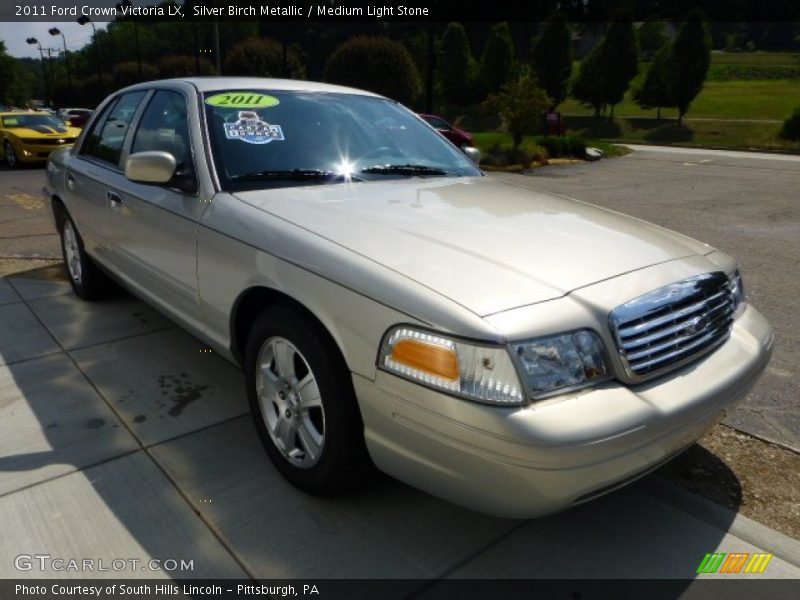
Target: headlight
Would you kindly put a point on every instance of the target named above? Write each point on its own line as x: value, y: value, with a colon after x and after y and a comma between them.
x: 563, y: 362
x: 478, y: 372
x: 737, y: 289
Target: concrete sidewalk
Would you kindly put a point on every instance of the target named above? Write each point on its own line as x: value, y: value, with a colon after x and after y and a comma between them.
x: 121, y: 439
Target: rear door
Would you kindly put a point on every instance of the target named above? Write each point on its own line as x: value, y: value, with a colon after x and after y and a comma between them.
x: 152, y: 229
x: 95, y: 171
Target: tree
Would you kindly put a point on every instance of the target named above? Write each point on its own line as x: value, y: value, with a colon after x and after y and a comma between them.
x: 264, y: 57
x: 652, y: 89
x: 183, y: 66
x: 377, y: 64
x: 587, y: 87
x: 520, y: 105
x: 457, y: 67
x: 791, y: 126
x: 652, y: 37
x: 127, y: 73
x: 617, y: 61
x: 688, y: 62
x: 497, y: 58
x: 7, y: 73
x: 552, y: 59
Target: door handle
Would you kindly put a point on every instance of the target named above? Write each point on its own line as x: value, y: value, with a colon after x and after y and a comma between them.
x: 114, y: 196
x: 70, y: 180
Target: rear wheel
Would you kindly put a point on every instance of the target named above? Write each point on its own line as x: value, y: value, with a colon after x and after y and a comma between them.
x: 87, y: 281
x: 303, y: 404
x: 10, y: 154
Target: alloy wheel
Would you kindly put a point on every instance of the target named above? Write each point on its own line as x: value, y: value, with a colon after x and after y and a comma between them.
x: 290, y: 402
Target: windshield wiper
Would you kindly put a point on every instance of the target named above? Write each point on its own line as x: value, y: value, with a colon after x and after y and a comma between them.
x: 405, y: 170
x: 291, y: 175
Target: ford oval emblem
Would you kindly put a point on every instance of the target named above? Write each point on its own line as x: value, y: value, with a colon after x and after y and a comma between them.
x: 696, y: 325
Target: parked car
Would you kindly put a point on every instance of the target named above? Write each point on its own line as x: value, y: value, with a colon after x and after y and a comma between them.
x: 503, y: 348
x: 30, y: 136
x: 79, y: 120
x: 65, y: 114
x: 458, y: 136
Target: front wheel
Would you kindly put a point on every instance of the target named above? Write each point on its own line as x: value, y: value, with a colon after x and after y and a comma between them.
x: 11, y: 155
x: 303, y: 404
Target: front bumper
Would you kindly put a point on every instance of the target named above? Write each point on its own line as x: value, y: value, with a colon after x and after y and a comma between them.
x: 37, y: 152
x: 534, y: 460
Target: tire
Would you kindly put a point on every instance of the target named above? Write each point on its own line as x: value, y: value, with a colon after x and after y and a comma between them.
x: 88, y: 282
x: 313, y: 435
x: 10, y: 155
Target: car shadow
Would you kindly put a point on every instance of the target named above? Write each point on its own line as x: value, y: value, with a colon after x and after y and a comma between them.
x: 74, y: 456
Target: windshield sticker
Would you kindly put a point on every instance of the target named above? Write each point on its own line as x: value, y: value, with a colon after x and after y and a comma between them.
x: 242, y: 100
x: 251, y: 129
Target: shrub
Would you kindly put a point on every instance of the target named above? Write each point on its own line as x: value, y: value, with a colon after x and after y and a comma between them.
x: 791, y: 126
x: 520, y: 104
x: 567, y: 145
x: 263, y: 57
x: 377, y: 64
x: 503, y: 156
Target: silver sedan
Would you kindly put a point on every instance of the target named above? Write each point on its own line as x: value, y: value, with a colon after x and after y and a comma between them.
x: 509, y: 350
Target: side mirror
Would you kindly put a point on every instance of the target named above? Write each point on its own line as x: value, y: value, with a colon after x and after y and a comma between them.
x: 473, y: 153
x: 150, y: 167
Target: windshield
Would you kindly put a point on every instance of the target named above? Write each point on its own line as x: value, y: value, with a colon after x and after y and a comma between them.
x: 266, y: 139
x: 35, y: 121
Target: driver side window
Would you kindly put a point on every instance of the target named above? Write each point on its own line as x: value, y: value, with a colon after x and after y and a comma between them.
x: 165, y: 127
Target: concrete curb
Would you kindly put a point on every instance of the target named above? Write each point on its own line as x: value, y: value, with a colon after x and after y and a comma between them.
x: 773, y: 541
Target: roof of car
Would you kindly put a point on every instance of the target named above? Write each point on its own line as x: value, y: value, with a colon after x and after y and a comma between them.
x: 210, y: 84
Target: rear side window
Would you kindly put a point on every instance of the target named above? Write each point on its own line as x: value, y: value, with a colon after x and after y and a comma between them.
x: 108, y: 134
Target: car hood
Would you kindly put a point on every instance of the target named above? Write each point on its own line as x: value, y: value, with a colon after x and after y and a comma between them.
x: 45, y: 131
x: 484, y: 243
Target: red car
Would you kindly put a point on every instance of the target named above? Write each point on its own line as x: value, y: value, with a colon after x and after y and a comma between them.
x: 458, y: 136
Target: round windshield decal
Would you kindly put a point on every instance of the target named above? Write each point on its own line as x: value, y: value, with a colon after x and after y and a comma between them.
x: 242, y: 100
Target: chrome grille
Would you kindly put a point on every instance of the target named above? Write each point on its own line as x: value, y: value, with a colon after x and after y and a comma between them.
x: 673, y: 325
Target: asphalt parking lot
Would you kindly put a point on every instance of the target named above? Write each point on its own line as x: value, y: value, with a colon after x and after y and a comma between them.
x: 120, y: 438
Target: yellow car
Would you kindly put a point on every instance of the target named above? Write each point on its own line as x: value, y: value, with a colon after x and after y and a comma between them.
x: 32, y: 136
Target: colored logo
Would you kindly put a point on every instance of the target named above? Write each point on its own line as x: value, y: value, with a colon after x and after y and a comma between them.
x: 251, y: 129
x: 734, y: 562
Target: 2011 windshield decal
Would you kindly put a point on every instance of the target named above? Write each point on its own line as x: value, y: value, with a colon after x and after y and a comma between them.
x: 242, y: 100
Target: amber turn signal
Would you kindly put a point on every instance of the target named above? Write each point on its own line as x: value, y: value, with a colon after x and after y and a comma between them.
x: 429, y: 358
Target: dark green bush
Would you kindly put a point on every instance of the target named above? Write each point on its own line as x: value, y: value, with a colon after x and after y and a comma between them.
x: 558, y: 146
x: 502, y: 156
x: 377, y: 64
x: 791, y: 126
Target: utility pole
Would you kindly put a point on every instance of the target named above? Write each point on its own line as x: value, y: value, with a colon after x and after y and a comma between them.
x: 83, y: 20
x: 47, y: 96
x: 57, y: 31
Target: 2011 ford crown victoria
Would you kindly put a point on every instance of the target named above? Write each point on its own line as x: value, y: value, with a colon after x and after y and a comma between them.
x: 508, y: 350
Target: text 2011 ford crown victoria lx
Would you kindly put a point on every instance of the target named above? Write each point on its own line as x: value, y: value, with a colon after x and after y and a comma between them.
x: 505, y: 349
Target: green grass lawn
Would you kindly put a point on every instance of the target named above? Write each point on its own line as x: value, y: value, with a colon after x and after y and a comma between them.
x: 715, y: 134
x: 755, y: 58
x: 772, y: 99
